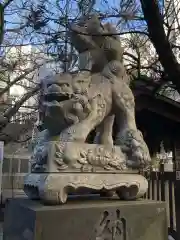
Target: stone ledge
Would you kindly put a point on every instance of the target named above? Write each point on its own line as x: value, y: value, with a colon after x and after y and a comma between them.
x: 54, y: 187
x: 92, y: 220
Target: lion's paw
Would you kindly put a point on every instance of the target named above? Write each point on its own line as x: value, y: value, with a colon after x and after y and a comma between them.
x: 133, y: 144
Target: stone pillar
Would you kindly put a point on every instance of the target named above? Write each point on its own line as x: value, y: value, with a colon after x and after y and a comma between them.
x: 176, y: 158
x: 177, y: 154
x: 91, y: 219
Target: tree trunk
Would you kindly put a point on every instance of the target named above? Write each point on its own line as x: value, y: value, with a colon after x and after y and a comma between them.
x: 160, y: 41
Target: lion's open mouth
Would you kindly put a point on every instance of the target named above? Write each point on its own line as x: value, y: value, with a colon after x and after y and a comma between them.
x: 56, y: 97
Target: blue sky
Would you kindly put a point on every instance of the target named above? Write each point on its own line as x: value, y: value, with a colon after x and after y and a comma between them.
x: 104, y: 6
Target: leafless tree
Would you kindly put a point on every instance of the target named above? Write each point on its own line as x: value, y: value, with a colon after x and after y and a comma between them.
x: 145, y: 28
x: 163, y: 29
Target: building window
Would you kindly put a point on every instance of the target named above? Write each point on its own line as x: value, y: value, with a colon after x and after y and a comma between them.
x: 6, y: 165
x: 3, y: 98
x: 24, y: 165
x: 15, y: 167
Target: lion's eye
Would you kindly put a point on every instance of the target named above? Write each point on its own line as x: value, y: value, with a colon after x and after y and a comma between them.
x: 80, y: 81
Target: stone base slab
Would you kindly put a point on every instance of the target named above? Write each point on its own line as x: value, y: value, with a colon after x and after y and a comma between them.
x: 86, y: 220
x: 54, y: 188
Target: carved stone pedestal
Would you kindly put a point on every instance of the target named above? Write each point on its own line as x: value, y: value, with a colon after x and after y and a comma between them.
x: 53, y: 188
x: 85, y: 220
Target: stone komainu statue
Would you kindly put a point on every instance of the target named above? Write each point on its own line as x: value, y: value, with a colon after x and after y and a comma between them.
x: 74, y: 104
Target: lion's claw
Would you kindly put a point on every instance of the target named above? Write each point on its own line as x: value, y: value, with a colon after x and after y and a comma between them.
x: 133, y: 144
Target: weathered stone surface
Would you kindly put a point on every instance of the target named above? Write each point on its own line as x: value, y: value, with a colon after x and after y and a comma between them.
x: 74, y: 104
x: 54, y: 188
x: 90, y: 220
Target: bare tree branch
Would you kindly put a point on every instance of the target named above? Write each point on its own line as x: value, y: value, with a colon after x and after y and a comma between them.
x: 14, y: 109
x: 7, y: 3
x: 159, y: 39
